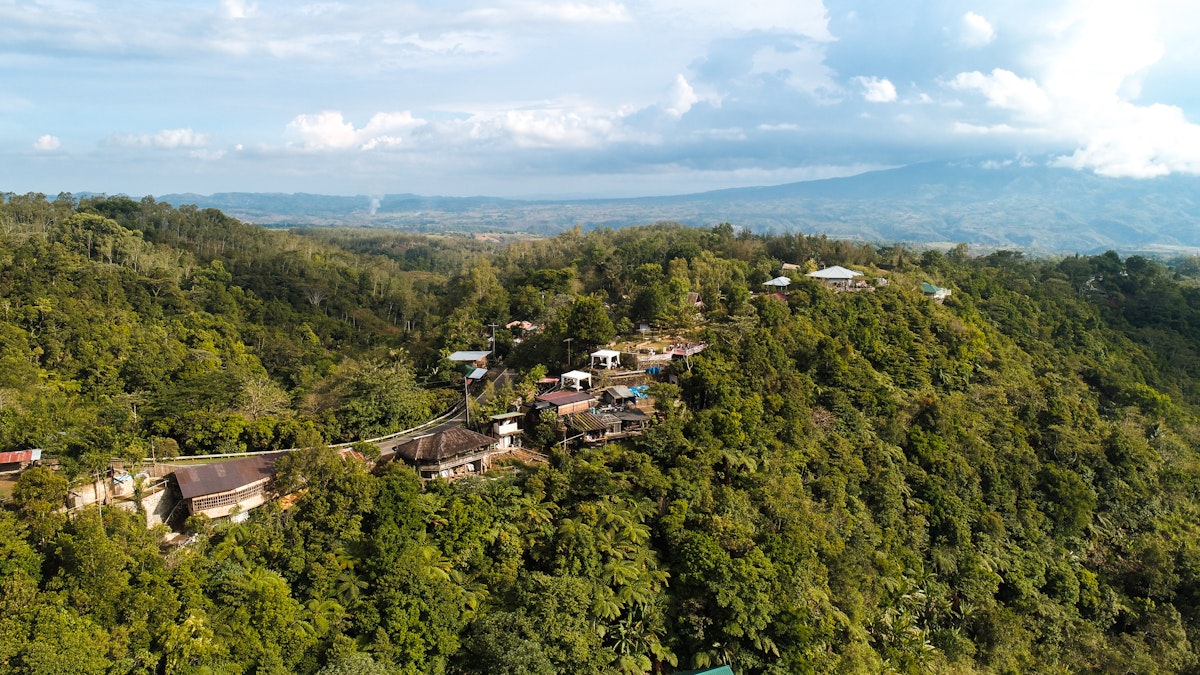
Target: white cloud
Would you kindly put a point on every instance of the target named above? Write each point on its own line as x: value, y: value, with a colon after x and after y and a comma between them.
x: 166, y: 139
x: 1085, y: 77
x: 983, y: 130
x: 683, y: 97
x: 802, y: 17
x: 47, y: 143
x: 877, y: 89
x: 579, y: 12
x: 1139, y: 142
x: 550, y: 128
x: 328, y: 130
x: 207, y: 155
x: 1004, y: 89
x: 977, y: 31
x: 238, y: 9
x: 800, y: 63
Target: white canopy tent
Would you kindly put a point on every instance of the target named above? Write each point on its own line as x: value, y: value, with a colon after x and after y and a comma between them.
x: 606, y: 358
x: 575, y: 379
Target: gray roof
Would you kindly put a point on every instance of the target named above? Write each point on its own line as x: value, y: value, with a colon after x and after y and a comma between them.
x: 469, y: 357
x: 629, y: 415
x: 209, y: 479
x: 442, y: 445
x: 835, y: 272
x: 620, y: 391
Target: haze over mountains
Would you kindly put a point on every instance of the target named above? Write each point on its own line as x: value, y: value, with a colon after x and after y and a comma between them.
x: 990, y: 204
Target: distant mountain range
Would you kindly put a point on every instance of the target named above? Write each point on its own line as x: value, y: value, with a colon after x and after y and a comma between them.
x: 988, y: 204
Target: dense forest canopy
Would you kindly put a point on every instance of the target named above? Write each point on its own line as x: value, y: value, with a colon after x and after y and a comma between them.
x: 842, y: 482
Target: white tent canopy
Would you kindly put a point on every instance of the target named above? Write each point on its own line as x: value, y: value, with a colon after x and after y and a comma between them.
x: 606, y: 358
x: 575, y: 379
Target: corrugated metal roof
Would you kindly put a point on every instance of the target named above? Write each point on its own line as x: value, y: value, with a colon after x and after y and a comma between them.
x: 559, y: 398
x: 442, y: 445
x: 20, y: 456
x: 208, y: 479
x: 477, y: 374
x: 629, y: 415
x: 620, y: 391
x: 835, y: 272
x: 507, y: 416
x: 586, y: 422
x: 468, y: 356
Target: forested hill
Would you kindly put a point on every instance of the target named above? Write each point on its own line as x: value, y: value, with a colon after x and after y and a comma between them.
x: 842, y: 482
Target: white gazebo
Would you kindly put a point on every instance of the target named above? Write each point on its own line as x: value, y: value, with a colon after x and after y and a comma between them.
x: 779, y: 282
x: 606, y: 359
x: 574, y: 379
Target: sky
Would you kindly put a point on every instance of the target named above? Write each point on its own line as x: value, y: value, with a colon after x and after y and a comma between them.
x: 585, y: 98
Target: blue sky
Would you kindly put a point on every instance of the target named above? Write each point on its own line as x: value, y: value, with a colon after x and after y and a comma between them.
x: 581, y: 98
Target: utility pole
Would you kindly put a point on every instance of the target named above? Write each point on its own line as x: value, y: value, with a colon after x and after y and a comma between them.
x: 493, y: 325
x: 568, y: 341
x: 466, y: 401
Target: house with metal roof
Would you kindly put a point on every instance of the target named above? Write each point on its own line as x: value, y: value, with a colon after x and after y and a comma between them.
x: 936, y: 293
x: 506, y: 429
x: 217, y: 490
x: 567, y: 402
x: 835, y: 276
x: 477, y: 359
x: 593, y: 428
x: 619, y: 395
x: 450, y: 453
x: 19, y: 460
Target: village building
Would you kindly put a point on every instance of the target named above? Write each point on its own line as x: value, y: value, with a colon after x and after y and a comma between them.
x: 633, y: 421
x: 477, y: 359
x: 600, y: 427
x: 779, y: 283
x: 11, y: 462
x: 619, y: 396
x: 565, y: 402
x: 836, y: 277
x: 606, y: 359
x: 450, y: 453
x: 506, y: 429
x: 936, y: 293
x: 220, y: 489
x: 591, y: 427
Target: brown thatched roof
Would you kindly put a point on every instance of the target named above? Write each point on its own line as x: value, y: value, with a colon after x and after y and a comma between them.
x: 442, y: 445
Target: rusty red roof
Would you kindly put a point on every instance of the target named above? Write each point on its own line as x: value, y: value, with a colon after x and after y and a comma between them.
x: 20, y: 456
x: 560, y: 398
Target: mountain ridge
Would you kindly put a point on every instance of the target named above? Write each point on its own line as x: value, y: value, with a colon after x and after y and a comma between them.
x: 985, y: 203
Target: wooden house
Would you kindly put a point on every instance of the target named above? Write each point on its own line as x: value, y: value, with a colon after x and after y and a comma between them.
x: 217, y: 490
x: 449, y: 453
x: 568, y: 402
